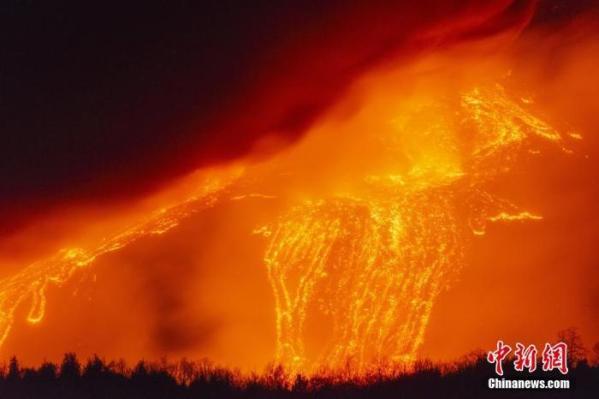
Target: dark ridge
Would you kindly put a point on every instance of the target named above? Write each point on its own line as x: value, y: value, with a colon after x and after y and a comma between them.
x: 185, y: 379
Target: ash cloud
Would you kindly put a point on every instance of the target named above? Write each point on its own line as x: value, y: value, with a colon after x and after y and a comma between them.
x: 108, y: 101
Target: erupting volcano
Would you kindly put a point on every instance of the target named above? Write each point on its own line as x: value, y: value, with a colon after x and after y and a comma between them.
x: 371, y: 187
x: 373, y: 257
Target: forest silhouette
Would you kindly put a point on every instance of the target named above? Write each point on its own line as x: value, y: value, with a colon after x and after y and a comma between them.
x: 97, y: 378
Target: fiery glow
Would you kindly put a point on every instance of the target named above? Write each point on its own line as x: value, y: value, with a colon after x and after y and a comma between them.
x: 372, y: 232
x: 33, y: 281
x: 374, y: 261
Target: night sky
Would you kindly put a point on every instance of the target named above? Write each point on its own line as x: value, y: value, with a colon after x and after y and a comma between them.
x: 105, y: 101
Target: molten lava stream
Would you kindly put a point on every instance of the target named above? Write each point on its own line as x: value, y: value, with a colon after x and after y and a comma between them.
x: 374, y: 257
x: 373, y: 231
x: 32, y: 281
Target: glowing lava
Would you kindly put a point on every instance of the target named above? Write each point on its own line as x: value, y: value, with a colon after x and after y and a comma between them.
x: 33, y: 281
x: 374, y: 231
x: 374, y: 261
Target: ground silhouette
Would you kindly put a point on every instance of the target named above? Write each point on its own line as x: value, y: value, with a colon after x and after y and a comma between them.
x: 97, y: 378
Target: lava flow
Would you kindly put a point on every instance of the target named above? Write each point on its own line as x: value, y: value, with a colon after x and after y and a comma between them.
x: 373, y: 260
x: 372, y: 232
x: 32, y: 281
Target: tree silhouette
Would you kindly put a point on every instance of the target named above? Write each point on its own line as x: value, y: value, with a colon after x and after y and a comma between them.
x: 70, y: 367
x: 48, y: 371
x: 595, y: 358
x: 186, y: 380
x: 576, y: 349
x: 13, y: 370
